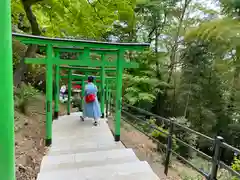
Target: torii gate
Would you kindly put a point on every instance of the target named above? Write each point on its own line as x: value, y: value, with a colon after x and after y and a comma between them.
x: 109, y: 86
x: 71, y: 77
x: 7, y: 157
x: 103, y: 53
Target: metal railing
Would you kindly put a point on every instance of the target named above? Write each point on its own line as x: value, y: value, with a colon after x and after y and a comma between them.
x: 218, y: 143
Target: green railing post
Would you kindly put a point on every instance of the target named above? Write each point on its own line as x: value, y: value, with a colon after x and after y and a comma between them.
x: 49, y: 93
x: 57, y: 89
x: 110, y: 101
x: 169, y: 147
x: 82, y: 92
x: 107, y: 99
x: 69, y: 91
x: 102, y: 87
x: 119, y: 94
x: 7, y: 155
x: 216, y: 158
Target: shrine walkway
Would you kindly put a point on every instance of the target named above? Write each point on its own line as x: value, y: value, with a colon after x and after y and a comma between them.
x: 81, y: 151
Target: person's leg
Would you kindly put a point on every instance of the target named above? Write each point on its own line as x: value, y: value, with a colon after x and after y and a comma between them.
x: 96, y: 121
x: 82, y: 117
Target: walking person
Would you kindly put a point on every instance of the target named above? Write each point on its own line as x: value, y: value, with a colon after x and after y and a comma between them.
x: 63, y: 91
x: 91, y: 107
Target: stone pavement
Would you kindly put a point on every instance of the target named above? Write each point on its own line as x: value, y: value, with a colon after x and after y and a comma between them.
x: 81, y: 151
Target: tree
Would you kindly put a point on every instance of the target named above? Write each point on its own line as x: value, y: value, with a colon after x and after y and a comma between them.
x: 22, y: 67
x: 81, y: 19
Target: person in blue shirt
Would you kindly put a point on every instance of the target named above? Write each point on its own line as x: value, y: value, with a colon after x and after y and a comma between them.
x: 91, y: 107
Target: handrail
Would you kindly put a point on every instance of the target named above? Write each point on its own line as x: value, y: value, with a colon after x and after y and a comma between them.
x: 218, y: 143
x: 168, y: 120
x: 231, y: 147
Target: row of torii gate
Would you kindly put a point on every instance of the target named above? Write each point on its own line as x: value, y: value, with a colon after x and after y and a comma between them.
x: 53, y: 47
x: 103, y: 82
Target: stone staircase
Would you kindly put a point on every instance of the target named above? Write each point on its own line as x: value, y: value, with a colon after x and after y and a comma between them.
x: 81, y: 151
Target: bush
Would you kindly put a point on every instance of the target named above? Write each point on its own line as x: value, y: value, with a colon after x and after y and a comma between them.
x: 162, y: 137
x: 146, y: 126
x: 23, y: 95
x: 77, y: 102
x: 185, y: 136
x: 236, y: 166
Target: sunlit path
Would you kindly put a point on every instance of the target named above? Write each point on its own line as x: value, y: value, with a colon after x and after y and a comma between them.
x: 81, y: 151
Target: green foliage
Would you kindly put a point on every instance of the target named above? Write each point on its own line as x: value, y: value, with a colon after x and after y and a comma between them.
x: 77, y: 102
x: 161, y: 136
x: 18, y: 52
x: 186, y: 136
x: 23, y: 95
x: 83, y: 19
x: 224, y: 31
x: 19, y: 18
x: 146, y: 126
x: 200, y: 91
x: 236, y: 166
x: 143, y: 85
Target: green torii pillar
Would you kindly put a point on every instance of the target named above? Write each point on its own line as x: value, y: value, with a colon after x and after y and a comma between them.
x: 7, y: 154
x: 102, y: 75
x: 57, y: 88
x: 69, y: 91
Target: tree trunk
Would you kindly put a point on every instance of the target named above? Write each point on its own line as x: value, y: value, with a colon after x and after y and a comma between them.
x: 235, y: 82
x: 21, y: 69
x: 175, y: 45
x: 159, y: 102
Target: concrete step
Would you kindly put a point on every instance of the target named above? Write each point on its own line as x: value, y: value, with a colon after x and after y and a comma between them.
x: 78, y: 141
x: 76, y: 123
x: 99, y: 158
x: 85, y: 147
x: 71, y: 119
x: 86, y: 138
x: 125, y: 171
x: 75, y: 126
x: 81, y: 151
x: 80, y: 132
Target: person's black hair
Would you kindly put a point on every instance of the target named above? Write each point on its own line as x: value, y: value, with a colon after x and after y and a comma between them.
x: 90, y: 79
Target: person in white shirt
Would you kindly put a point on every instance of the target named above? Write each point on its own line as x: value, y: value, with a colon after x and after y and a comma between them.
x: 63, y: 90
